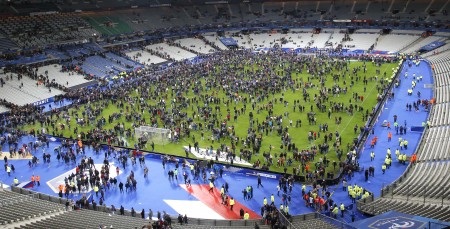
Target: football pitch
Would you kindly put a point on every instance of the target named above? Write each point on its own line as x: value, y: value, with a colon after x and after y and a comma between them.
x: 253, y: 113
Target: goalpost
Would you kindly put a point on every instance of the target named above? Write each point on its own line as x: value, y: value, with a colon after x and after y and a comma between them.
x: 152, y: 134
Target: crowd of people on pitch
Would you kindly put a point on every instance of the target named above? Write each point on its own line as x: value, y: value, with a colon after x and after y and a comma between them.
x: 248, y: 91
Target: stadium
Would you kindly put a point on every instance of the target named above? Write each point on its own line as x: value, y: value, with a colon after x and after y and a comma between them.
x: 224, y: 114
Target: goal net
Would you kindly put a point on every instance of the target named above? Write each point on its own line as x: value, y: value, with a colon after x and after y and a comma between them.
x: 150, y: 134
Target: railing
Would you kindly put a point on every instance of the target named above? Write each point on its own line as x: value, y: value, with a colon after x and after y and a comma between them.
x: 361, y: 202
x: 385, y: 190
x: 230, y: 223
x: 284, y: 220
x: 335, y: 222
x: 194, y: 221
x: 429, y: 194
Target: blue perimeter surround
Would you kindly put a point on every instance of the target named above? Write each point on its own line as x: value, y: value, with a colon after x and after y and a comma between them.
x: 393, y: 219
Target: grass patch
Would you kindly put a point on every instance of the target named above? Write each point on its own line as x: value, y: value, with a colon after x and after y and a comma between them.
x: 298, y: 135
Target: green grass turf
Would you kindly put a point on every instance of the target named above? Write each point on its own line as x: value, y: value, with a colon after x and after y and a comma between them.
x: 299, y: 135
x: 119, y: 27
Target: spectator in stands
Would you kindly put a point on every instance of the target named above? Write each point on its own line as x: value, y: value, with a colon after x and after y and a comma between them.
x: 122, y: 210
x: 150, y: 214
x: 180, y: 219
x: 113, y: 209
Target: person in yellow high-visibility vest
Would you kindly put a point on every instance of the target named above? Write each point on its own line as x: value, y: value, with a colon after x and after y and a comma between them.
x: 342, y: 210
x: 246, y: 215
x: 211, y: 187
x: 335, y: 211
x: 272, y: 198
x: 366, y: 194
x: 286, y: 210
x: 353, y: 195
x: 231, y: 203
x: 265, y: 201
x: 16, y: 181
x: 96, y: 190
x: 386, y: 161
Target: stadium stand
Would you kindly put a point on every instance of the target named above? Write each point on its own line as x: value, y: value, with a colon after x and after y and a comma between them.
x: 394, y: 42
x: 87, y: 219
x: 196, y: 45
x: 440, y: 115
x: 436, y: 147
x: 314, y: 220
x: 441, y: 49
x: 62, y: 77
x: 42, y: 30
x: 108, y: 25
x: 404, y: 31
x: 304, y: 39
x: 145, y: 57
x: 265, y: 40
x: 23, y: 59
x: 361, y: 41
x: 105, y: 65
x: 25, y: 90
x: 442, y: 85
x: 319, y: 40
x: 213, y: 39
x: 32, y: 7
x: 242, y: 40
x: 129, y: 64
x: 416, y: 45
x: 336, y: 38
x: 169, y: 51
x: 17, y: 207
x: 6, y: 44
x: 90, y: 69
x: 441, y: 64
